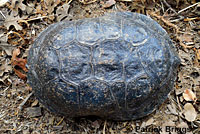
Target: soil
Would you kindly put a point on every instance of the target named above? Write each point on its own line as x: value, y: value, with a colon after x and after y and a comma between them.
x: 22, y: 20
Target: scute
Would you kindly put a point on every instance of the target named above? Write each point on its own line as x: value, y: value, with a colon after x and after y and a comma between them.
x: 48, y: 60
x: 75, y: 62
x: 111, y: 27
x: 108, y: 59
x: 95, y: 97
x: 89, y: 31
x: 120, y: 66
x: 134, y: 33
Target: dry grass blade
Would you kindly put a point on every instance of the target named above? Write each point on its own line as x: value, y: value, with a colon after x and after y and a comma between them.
x: 188, y: 7
x: 104, y: 127
x: 25, y: 100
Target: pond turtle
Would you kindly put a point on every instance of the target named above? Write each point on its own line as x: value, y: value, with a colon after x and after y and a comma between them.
x: 120, y: 66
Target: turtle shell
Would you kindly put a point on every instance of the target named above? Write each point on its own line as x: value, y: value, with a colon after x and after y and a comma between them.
x: 120, y: 66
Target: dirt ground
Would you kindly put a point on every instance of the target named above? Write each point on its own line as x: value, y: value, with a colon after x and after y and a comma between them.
x: 22, y: 20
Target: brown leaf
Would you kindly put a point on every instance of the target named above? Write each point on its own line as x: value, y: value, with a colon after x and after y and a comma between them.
x: 109, y: 3
x: 20, y: 74
x: 189, y: 112
x: 198, y: 54
x: 35, y: 103
x: 20, y: 63
x: 189, y: 95
x: 187, y: 37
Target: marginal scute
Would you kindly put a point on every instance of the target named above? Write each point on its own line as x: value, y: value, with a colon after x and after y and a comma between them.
x: 97, y: 94
x: 89, y: 31
x: 64, y: 37
x: 137, y: 91
x: 63, y: 92
x: 111, y: 27
x: 134, y: 33
x: 48, y: 60
x: 118, y: 90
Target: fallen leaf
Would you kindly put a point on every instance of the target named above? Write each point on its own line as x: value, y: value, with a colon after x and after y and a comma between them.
x: 34, y: 111
x: 12, y: 20
x: 35, y: 103
x: 185, y: 128
x: 149, y: 122
x: 166, y: 124
x: 187, y: 37
x: 189, y: 112
x: 109, y: 3
x: 198, y: 54
x: 62, y: 11
x: 172, y: 109
x: 86, y: 2
x: 21, y: 63
x: 20, y: 74
x: 50, y: 5
x: 5, y: 67
x: 96, y: 124
x: 3, y: 2
x: 5, y: 46
x: 16, y: 5
x: 189, y: 95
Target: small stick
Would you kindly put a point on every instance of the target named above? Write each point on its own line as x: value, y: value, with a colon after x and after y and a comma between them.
x: 169, y: 6
x: 188, y: 7
x: 25, y: 100
x: 3, y: 15
x: 104, y: 127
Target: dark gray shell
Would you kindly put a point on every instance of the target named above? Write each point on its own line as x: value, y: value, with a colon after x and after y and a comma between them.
x: 120, y: 66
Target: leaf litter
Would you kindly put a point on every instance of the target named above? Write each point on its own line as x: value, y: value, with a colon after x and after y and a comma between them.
x: 24, y: 20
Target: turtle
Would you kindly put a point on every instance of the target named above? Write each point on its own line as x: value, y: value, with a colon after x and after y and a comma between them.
x: 120, y: 66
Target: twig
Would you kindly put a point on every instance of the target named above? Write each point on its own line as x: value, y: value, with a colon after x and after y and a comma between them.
x: 165, y: 21
x: 188, y: 7
x: 25, y: 100
x: 171, y: 25
x: 60, y: 121
x: 3, y: 15
x: 104, y: 127
x: 169, y: 6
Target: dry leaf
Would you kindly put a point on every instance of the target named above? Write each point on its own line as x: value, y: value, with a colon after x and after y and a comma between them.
x: 5, y: 46
x: 3, y: 2
x: 185, y: 128
x: 198, y: 54
x: 12, y: 20
x: 189, y: 95
x: 166, y: 124
x: 172, y: 109
x: 5, y: 67
x: 35, y: 103
x: 62, y: 11
x: 149, y: 122
x: 16, y: 5
x: 189, y: 112
x: 109, y: 3
x: 20, y: 74
x: 186, y: 37
x: 20, y: 63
